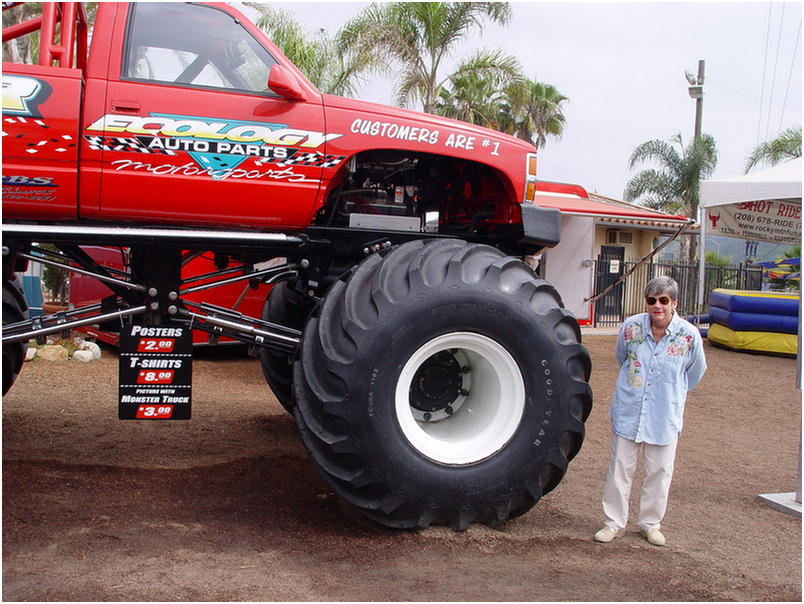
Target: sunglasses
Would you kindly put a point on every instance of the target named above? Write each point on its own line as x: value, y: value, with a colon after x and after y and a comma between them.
x: 663, y: 300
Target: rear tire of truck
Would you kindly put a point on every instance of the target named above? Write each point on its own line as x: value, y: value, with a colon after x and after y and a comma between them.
x: 14, y: 309
x: 442, y: 383
x: 288, y: 308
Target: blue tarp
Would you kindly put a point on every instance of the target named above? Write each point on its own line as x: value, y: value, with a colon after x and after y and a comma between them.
x: 32, y: 286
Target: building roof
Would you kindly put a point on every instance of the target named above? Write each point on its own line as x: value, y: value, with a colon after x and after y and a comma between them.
x: 611, y: 211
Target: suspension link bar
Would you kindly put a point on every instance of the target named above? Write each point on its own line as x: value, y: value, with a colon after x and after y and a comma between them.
x: 272, y: 337
x: 229, y: 271
x: 44, y: 331
x: 59, y: 317
x: 227, y: 313
x: 277, y: 273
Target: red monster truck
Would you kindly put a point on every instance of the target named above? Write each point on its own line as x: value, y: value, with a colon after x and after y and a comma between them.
x: 433, y: 378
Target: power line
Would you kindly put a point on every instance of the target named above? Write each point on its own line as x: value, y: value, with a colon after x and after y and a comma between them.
x: 775, y: 65
x: 747, y: 95
x: 764, y: 71
x: 790, y: 75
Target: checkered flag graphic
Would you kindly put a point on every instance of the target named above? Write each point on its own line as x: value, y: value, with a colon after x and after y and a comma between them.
x: 313, y: 159
x: 131, y: 144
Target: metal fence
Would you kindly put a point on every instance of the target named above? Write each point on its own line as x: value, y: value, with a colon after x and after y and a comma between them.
x: 626, y: 298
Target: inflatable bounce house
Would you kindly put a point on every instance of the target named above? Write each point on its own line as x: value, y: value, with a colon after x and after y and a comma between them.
x: 754, y: 321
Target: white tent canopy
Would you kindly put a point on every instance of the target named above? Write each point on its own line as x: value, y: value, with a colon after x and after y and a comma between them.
x: 782, y: 182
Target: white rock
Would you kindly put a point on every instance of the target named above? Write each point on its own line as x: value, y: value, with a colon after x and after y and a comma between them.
x: 93, y: 348
x: 54, y: 352
x: 82, y: 356
x: 30, y: 354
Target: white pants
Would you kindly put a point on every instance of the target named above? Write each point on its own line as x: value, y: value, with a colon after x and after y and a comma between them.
x: 658, y: 461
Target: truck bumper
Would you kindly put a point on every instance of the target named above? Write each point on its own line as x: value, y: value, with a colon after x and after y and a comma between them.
x: 541, y: 226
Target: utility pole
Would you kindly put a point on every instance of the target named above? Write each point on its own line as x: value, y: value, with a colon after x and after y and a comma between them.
x: 696, y: 92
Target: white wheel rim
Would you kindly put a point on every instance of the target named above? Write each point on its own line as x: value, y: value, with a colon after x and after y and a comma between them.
x: 484, y: 418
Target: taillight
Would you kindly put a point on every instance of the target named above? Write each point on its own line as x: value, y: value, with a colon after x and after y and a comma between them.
x: 530, y: 178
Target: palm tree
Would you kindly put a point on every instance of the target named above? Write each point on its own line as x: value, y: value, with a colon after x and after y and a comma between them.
x: 470, y: 98
x: 419, y: 36
x: 518, y: 106
x: 330, y: 66
x: 675, y: 185
x: 786, y: 145
x: 536, y: 111
x: 478, y: 96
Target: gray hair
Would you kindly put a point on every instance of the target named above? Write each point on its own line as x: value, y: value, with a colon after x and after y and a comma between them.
x: 662, y: 285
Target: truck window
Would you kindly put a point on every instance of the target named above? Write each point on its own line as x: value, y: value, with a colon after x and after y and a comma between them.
x: 192, y: 45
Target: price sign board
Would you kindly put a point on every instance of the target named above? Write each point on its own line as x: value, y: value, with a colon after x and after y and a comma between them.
x: 156, y: 371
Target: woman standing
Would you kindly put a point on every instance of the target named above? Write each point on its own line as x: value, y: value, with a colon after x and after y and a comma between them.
x: 661, y: 358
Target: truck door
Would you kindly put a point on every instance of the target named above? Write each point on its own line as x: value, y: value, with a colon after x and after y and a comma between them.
x: 191, y: 133
x: 40, y: 141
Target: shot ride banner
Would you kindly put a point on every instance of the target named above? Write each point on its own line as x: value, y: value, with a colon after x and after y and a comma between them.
x: 774, y: 221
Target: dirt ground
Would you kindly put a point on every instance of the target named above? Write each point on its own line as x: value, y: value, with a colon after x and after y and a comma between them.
x: 227, y: 506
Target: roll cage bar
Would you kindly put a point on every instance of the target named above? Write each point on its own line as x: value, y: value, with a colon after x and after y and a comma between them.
x: 64, y: 33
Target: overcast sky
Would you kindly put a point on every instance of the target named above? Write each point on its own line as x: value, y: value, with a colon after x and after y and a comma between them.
x: 622, y: 66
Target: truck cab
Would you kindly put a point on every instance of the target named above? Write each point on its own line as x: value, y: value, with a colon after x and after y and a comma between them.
x: 188, y: 114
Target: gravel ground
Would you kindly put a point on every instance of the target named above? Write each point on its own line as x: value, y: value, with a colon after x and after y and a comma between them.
x: 227, y: 507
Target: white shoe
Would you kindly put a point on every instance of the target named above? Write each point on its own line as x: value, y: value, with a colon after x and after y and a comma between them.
x: 607, y: 535
x: 654, y: 537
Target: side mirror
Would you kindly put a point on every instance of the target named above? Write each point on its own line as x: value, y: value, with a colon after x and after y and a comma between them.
x: 282, y: 82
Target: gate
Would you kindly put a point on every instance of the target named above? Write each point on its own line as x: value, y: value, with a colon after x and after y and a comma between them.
x: 610, y: 267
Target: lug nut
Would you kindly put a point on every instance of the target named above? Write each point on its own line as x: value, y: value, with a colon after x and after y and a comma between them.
x: 449, y: 410
x: 154, y: 305
x: 466, y: 369
x: 172, y: 309
x: 464, y: 392
x: 428, y: 417
x: 152, y: 292
x: 173, y: 296
x: 305, y: 263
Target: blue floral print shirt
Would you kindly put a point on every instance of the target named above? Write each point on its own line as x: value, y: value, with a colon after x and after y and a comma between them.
x: 649, y: 397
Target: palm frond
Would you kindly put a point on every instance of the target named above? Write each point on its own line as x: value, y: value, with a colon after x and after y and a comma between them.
x: 676, y: 185
x: 657, y: 150
x: 652, y: 182
x: 786, y: 145
x: 496, y: 68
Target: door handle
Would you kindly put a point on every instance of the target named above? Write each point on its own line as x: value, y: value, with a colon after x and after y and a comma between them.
x: 119, y: 105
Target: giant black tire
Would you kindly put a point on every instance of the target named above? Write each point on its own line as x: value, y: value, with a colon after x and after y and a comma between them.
x: 285, y: 307
x: 14, y: 310
x: 467, y: 335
